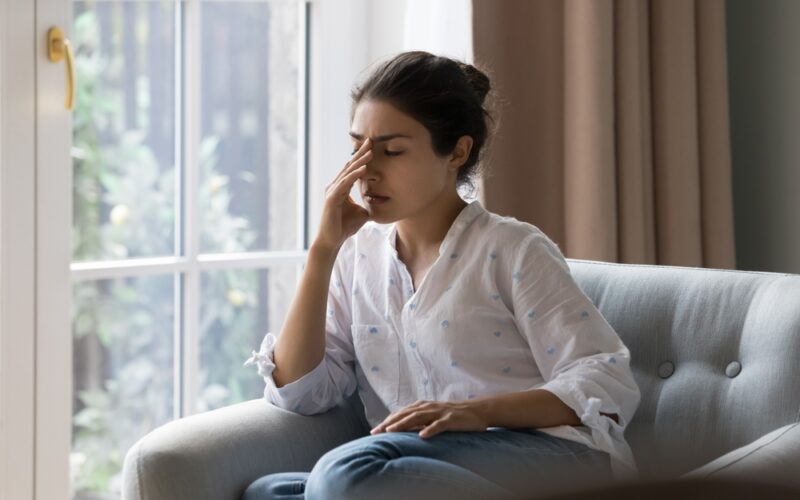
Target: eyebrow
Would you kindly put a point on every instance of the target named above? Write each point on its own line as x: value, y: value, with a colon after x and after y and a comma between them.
x: 380, y: 138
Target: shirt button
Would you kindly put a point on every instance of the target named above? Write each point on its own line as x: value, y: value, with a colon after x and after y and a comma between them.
x: 425, y: 382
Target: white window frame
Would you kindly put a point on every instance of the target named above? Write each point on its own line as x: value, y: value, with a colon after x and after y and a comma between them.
x: 17, y: 249
x: 35, y: 211
x: 334, y: 62
x: 36, y: 273
x: 188, y: 264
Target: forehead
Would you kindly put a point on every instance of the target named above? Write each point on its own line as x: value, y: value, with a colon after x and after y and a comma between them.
x: 373, y: 118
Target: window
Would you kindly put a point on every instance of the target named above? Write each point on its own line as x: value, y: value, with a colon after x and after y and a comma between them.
x: 190, y: 210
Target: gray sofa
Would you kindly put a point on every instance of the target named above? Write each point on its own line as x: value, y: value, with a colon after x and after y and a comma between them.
x: 716, y: 355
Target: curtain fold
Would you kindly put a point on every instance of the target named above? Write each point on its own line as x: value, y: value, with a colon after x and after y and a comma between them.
x: 613, y: 134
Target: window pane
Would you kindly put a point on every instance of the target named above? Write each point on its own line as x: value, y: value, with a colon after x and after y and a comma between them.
x: 124, y: 129
x: 249, y: 119
x: 238, y: 308
x: 123, y: 374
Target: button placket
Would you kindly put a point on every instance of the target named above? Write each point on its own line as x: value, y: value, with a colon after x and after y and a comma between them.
x: 410, y: 327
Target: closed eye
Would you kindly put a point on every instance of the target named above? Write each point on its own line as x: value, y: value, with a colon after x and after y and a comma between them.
x: 387, y: 152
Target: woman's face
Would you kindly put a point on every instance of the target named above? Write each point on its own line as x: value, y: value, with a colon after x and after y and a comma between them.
x: 404, y: 170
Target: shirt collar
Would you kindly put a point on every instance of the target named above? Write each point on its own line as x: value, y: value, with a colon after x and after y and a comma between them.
x: 462, y: 220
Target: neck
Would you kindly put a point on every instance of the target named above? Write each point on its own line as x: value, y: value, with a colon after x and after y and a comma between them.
x: 423, y: 232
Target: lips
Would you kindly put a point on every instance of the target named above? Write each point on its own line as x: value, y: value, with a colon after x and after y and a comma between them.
x: 374, y: 194
x: 374, y: 198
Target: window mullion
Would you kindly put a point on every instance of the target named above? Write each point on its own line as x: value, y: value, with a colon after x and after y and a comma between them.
x: 303, y: 129
x: 191, y: 216
x: 178, y: 277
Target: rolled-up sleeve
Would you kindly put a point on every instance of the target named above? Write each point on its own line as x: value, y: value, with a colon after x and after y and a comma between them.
x: 582, y: 359
x: 333, y: 379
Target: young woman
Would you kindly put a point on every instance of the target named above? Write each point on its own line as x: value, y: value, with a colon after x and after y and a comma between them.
x: 484, y: 370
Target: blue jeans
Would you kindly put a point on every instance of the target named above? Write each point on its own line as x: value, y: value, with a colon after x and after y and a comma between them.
x: 494, y: 464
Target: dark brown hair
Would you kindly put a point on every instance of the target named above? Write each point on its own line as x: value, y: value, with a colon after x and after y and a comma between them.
x: 445, y: 95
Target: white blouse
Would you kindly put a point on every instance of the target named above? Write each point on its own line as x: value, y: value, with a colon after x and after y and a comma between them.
x: 497, y: 312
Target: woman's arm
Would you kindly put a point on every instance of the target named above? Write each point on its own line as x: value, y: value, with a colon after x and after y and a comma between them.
x: 532, y: 408
x: 301, y: 345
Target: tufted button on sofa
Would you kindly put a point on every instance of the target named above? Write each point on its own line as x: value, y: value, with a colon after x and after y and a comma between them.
x: 716, y: 355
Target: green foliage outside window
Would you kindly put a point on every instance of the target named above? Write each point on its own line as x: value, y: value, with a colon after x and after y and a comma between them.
x: 124, y: 206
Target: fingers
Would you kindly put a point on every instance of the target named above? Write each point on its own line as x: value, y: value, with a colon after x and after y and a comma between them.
x: 342, y: 188
x: 433, y: 429
x: 415, y: 419
x: 403, y: 423
x: 388, y: 421
x: 394, y: 417
x: 365, y: 149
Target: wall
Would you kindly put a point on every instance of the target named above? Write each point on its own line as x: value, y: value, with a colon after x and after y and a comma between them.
x: 764, y: 79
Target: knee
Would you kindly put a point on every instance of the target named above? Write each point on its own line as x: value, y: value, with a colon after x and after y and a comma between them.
x: 280, y: 484
x: 341, y: 473
x: 331, y: 478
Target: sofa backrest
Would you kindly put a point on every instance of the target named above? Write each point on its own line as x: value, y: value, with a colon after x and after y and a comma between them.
x: 716, y: 354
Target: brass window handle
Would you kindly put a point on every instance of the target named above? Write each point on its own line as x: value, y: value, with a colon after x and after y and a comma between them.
x: 58, y: 48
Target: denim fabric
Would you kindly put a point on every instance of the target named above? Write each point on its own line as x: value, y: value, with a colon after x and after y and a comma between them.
x: 495, y: 464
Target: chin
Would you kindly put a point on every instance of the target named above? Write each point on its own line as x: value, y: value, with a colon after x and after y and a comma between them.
x: 381, y: 218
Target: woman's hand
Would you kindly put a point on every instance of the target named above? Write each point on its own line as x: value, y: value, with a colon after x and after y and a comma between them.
x: 341, y: 216
x: 434, y: 417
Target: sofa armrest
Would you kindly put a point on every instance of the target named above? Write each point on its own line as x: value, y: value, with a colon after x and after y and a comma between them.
x: 772, y: 458
x: 217, y: 454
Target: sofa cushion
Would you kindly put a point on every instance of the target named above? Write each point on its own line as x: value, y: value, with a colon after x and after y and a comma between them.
x: 714, y: 353
x: 773, y: 458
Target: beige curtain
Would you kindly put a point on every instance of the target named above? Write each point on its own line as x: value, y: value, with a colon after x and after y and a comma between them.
x: 613, y: 126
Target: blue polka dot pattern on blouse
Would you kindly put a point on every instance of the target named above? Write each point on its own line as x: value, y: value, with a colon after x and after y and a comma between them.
x: 454, y: 255
x: 375, y: 369
x: 584, y: 314
x: 511, y: 299
x: 373, y: 329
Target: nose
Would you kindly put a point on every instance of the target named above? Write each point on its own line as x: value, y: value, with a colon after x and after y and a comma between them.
x: 371, y: 174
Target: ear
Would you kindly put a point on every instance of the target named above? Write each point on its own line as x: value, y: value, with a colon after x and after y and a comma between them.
x: 460, y: 153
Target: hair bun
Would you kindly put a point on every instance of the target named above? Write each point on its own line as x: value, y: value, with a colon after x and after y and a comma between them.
x: 477, y: 80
